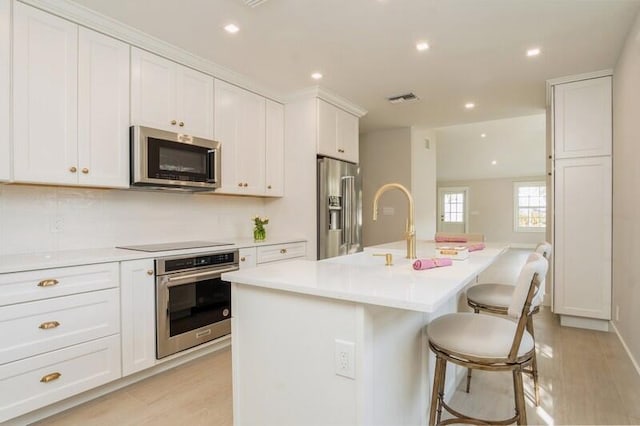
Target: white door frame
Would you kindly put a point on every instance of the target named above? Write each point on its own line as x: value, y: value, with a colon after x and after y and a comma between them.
x: 441, y: 191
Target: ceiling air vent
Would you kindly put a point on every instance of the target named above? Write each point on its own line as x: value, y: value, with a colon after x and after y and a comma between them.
x: 408, y: 97
x: 254, y: 3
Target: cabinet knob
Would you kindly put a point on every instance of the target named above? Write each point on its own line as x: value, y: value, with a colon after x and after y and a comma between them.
x: 150, y: 272
x: 549, y: 157
x: 283, y: 251
x: 50, y: 377
x: 245, y: 184
x: 181, y: 124
x: 242, y: 259
x: 173, y: 122
x: 47, y: 283
x: 269, y: 187
x: 240, y: 184
x: 85, y: 170
x: 549, y: 173
x: 72, y: 169
x: 341, y: 151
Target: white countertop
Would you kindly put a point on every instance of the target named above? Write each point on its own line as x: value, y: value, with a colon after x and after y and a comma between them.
x: 57, y: 259
x: 364, y: 278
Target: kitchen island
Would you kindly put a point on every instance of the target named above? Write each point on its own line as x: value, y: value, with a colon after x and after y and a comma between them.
x: 341, y: 341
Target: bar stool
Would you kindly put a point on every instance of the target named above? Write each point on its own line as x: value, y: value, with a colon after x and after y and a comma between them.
x: 495, y: 299
x: 488, y: 343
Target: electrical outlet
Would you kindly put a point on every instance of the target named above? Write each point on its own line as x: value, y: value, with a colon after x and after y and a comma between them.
x: 345, y: 359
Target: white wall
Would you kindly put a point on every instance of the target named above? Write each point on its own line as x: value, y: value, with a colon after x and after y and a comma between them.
x: 626, y: 180
x: 491, y: 209
x: 385, y: 157
x: 423, y: 180
x: 42, y: 218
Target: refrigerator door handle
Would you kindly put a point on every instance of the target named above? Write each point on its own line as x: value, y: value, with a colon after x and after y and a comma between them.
x: 348, y: 191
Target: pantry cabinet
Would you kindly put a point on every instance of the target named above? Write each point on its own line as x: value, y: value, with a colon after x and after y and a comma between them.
x: 582, y: 201
x: 274, y: 155
x: 137, y: 290
x: 240, y: 126
x: 71, y: 111
x: 169, y: 96
x: 5, y: 52
x: 337, y: 132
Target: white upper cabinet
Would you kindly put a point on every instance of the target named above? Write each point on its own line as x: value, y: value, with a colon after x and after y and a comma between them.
x: 337, y: 132
x: 45, y: 83
x: 275, y: 150
x: 582, y: 118
x: 5, y: 49
x: 169, y: 96
x: 240, y: 128
x: 103, y: 113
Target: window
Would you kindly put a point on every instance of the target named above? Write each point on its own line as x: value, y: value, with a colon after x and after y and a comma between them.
x: 454, y: 207
x: 530, y: 206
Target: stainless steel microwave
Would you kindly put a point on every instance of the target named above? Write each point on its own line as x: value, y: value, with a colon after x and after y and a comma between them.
x: 167, y: 160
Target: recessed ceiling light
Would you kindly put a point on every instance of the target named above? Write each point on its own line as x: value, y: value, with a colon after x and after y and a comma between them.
x: 533, y: 52
x: 231, y: 28
x: 483, y: 135
x: 469, y: 105
x: 316, y: 76
x: 423, y: 45
x: 494, y: 162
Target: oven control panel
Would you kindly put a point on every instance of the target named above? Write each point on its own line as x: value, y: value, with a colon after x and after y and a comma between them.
x: 183, y: 263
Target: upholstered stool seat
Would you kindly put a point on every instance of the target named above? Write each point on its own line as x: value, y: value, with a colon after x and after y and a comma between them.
x: 493, y: 295
x: 477, y: 336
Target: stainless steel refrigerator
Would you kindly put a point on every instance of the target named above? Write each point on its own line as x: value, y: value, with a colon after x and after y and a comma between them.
x: 339, y: 208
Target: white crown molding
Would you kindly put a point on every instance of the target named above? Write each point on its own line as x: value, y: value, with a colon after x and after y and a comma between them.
x: 116, y: 29
x: 577, y: 77
x: 326, y: 95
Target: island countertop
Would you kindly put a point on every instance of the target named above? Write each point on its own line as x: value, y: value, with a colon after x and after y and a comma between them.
x: 364, y: 278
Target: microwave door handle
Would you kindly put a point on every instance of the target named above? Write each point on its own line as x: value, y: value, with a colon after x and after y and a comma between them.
x: 211, y: 165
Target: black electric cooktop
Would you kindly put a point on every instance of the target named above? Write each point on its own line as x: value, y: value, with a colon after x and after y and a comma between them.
x: 152, y: 248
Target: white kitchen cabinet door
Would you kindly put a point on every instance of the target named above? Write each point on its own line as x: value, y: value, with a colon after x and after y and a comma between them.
x: 5, y: 49
x: 45, y: 86
x: 153, y: 91
x: 337, y: 132
x: 195, y: 102
x: 137, y: 292
x: 582, y: 118
x: 240, y: 128
x: 103, y: 113
x: 347, y: 142
x: 582, y: 246
x: 274, y: 154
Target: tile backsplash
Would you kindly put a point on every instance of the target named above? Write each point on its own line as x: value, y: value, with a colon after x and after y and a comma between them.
x: 39, y: 218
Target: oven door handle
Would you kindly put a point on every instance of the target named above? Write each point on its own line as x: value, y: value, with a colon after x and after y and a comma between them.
x: 211, y: 274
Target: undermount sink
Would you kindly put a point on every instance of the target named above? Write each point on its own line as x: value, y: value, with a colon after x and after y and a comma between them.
x: 369, y: 259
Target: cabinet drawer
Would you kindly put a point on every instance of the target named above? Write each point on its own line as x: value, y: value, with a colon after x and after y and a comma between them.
x: 281, y: 252
x: 35, y: 285
x: 36, y: 327
x: 34, y: 382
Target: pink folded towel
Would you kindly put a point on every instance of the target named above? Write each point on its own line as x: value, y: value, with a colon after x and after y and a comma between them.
x: 475, y: 247
x: 436, y: 262
x: 444, y: 239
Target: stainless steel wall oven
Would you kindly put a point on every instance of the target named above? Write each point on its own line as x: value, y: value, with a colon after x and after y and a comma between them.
x: 193, y: 303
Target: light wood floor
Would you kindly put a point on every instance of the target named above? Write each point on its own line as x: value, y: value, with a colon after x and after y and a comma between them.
x: 586, y: 378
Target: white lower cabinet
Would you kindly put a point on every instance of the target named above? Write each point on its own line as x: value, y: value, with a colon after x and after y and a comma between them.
x: 35, y: 382
x: 137, y: 289
x: 280, y: 252
x: 247, y: 257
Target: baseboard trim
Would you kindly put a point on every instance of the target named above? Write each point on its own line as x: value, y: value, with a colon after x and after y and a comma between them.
x: 588, y: 323
x: 626, y: 348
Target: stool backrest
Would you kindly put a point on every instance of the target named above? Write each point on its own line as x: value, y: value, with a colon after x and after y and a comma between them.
x: 524, y: 298
x: 545, y: 249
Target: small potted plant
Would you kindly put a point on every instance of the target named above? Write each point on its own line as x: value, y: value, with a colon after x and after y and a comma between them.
x: 259, y: 233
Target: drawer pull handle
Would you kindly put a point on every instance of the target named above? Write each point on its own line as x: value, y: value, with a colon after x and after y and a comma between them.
x: 283, y: 251
x: 181, y: 124
x: 173, y: 122
x: 242, y: 259
x: 49, y: 325
x: 47, y: 283
x: 150, y: 272
x: 85, y: 170
x: 341, y: 151
x: 50, y: 377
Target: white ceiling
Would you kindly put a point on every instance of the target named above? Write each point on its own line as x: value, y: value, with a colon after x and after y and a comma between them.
x: 516, y: 144
x: 366, y: 48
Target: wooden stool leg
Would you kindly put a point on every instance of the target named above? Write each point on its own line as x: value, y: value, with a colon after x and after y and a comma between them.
x: 534, y: 363
x: 437, y: 392
x: 518, y: 393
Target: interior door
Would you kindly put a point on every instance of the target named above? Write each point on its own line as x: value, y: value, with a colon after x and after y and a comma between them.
x: 453, y: 210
